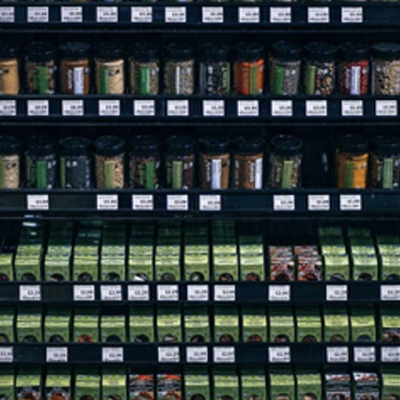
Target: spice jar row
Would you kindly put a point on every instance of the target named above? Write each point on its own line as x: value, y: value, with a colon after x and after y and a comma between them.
x: 291, y: 69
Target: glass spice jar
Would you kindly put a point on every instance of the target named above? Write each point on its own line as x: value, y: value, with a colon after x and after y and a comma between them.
x: 110, y: 64
x: 40, y: 68
x: 179, y: 69
x: 145, y: 162
x: 144, y: 68
x: 9, y: 68
x: 41, y: 162
x: 249, y: 69
x: 385, y: 163
x: 10, y: 162
x: 215, y: 162
x: 353, y: 68
x: 319, y: 69
x: 249, y: 157
x: 109, y: 162
x: 352, y: 162
x: 75, y: 163
x: 180, y: 161
x: 285, y: 162
x: 75, y: 68
x: 215, y: 70
x: 284, y: 68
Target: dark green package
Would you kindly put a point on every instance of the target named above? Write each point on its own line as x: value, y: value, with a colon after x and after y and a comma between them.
x: 226, y: 325
x: 365, y: 386
x: 337, y: 386
x: 363, y: 324
x: 168, y: 268
x: 58, y: 385
x: 197, y: 385
x: 281, y: 326
x: 57, y: 327
x: 365, y: 268
x: 7, y: 384
x: 226, y: 385
x: 254, y: 325
x: 141, y: 268
x: 57, y: 264
x: 169, y: 386
x: 252, y: 268
x: 6, y: 267
x: 336, y: 268
x: 28, y: 384
x: 87, y: 386
x: 7, y: 325
x: 226, y: 267
x: 113, y: 329
x: 253, y: 385
x: 114, y: 384
x: 169, y: 325
x: 309, y: 326
x: 141, y: 325
x: 282, y: 386
x: 29, y: 326
x: 141, y: 387
x: 86, y: 326
x: 27, y: 268
x: 390, y: 268
x: 336, y: 323
x: 309, y: 386
x: 390, y: 325
x: 86, y: 270
x: 113, y: 269
x: 390, y: 386
x: 197, y: 267
x: 197, y: 325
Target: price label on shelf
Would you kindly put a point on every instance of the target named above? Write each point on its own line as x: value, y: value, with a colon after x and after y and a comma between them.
x: 210, y: 202
x: 213, y: 108
x: 224, y: 355
x: 107, y: 202
x: 84, y: 293
x: 30, y: 293
x: 390, y: 354
x: 38, y: 108
x: 110, y: 108
x: 57, y: 354
x: 37, y: 202
x: 390, y: 292
x: 279, y: 354
x: 38, y: 14
x: 280, y: 15
x: 364, y: 354
x: 107, y: 14
x: 72, y: 108
x: 142, y: 202
x: 248, y: 108
x: 197, y: 355
x: 212, y: 15
x: 284, y: 202
x: 197, y: 293
x: 177, y: 202
x: 6, y: 355
x: 144, y: 108
x: 279, y: 293
x: 224, y: 293
x: 167, y: 293
x: 350, y: 202
x: 337, y: 354
x: 8, y: 108
x: 318, y: 15
x: 282, y: 108
x: 336, y: 292
x: 141, y: 15
x: 352, y: 108
x: 352, y: 15
x: 319, y: 202
x: 111, y: 293
x: 178, y: 108
x: 249, y: 15
x: 112, y: 354
x: 71, y: 14
x: 138, y: 293
x: 386, y: 108
x: 7, y: 14
x: 169, y: 354
x: 316, y: 108
x: 175, y: 15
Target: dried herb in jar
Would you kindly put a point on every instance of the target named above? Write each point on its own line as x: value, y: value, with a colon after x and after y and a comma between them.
x: 10, y: 150
x: 9, y: 69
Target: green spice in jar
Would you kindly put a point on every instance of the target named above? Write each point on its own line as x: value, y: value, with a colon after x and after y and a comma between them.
x: 10, y: 149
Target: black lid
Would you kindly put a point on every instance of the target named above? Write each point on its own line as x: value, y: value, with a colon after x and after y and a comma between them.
x: 286, y: 50
x: 179, y: 51
x: 41, y: 51
x: 350, y: 51
x: 75, y: 49
x: 180, y: 145
x: 217, y: 52
x: 386, y: 145
x: 250, y: 51
x: 109, y: 146
x: 9, y: 145
x: 41, y: 145
x: 356, y: 144
x: 386, y: 51
x: 249, y: 144
x: 144, y: 51
x: 110, y: 50
x: 143, y: 145
x: 286, y: 145
x: 8, y: 50
x: 320, y: 51
x: 215, y: 145
x: 75, y: 146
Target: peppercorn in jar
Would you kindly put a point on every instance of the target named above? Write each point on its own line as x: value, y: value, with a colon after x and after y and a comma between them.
x: 10, y: 162
x: 9, y: 68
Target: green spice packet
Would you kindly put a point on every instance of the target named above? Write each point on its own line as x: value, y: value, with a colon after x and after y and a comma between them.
x: 57, y: 327
x: 7, y: 325
x: 282, y: 384
x: 309, y: 326
x: 336, y: 323
x: 253, y: 385
x: 363, y: 325
x: 141, y: 325
x: 7, y: 385
x: 169, y: 325
x: 197, y: 325
x: 114, y: 384
x: 87, y: 386
x: 281, y: 326
x: 226, y: 325
x: 254, y: 327
x: 226, y: 385
x: 58, y: 385
x: 390, y: 386
x: 113, y: 329
x: 197, y: 384
x: 309, y: 386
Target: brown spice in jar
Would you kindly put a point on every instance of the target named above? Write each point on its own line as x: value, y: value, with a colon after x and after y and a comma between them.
x: 9, y: 76
x: 75, y: 76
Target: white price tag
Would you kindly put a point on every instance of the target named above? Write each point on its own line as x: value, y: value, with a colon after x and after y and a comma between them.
x: 112, y: 354
x: 224, y: 293
x: 142, y: 14
x: 6, y: 355
x: 144, y: 108
x: 177, y: 202
x: 337, y: 354
x: 249, y: 15
x: 38, y: 108
x: 111, y: 293
x: 279, y: 354
x: 175, y: 15
x: 178, y: 108
x: 57, y: 354
x: 210, y: 202
x: 352, y: 15
x: 319, y: 202
x: 280, y: 15
x: 364, y: 354
x: 224, y: 355
x: 336, y: 293
x: 84, y: 293
x: 109, y: 108
x: 318, y: 15
x: 390, y: 354
x: 386, y: 108
x: 169, y: 354
x: 107, y: 14
x: 197, y: 355
x: 197, y: 293
x: 282, y: 108
x: 350, y: 202
x: 30, y: 293
x: 7, y: 14
x: 138, y: 293
x: 390, y: 292
x: 213, y: 108
x: 167, y: 293
x: 279, y: 293
x: 248, y: 108
x: 143, y: 202
x: 284, y: 202
x: 8, y: 108
x: 38, y: 14
x: 72, y: 108
x: 107, y: 202
x: 71, y: 14
x: 38, y: 201
x: 212, y: 15
x: 352, y: 108
x: 316, y: 108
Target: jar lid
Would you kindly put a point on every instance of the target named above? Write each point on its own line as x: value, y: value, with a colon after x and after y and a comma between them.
x: 286, y: 145
x: 286, y: 50
x: 75, y: 49
x: 144, y: 145
x: 320, y: 51
x: 8, y: 50
x: 386, y: 145
x: 250, y: 51
x: 144, y: 51
x: 179, y: 51
x: 386, y: 51
x: 249, y: 144
x: 215, y: 52
x: 41, y: 145
x: 180, y: 145
x: 356, y: 144
x: 350, y: 51
x: 41, y: 51
x: 110, y: 50
x: 75, y: 146
x: 9, y: 145
x: 215, y: 145
x: 109, y: 146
